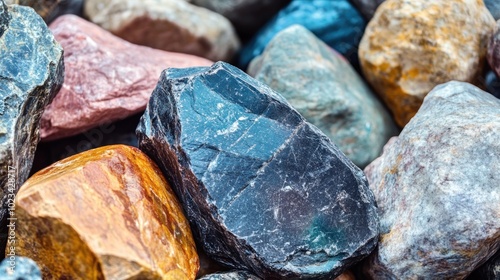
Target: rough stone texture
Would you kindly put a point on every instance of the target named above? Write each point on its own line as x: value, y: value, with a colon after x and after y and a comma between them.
x: 107, y: 78
x: 410, y: 46
x: 263, y: 189
x: 31, y: 72
x: 367, y: 7
x: 247, y: 16
x: 494, y: 50
x: 231, y: 275
x: 20, y: 268
x: 488, y: 271
x: 436, y: 187
x: 494, y: 8
x: 49, y: 10
x: 107, y: 213
x: 337, y: 23
x: 327, y: 91
x: 171, y: 25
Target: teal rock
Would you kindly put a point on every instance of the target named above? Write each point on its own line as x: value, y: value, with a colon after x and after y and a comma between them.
x: 263, y: 189
x: 337, y: 23
x: 327, y: 91
x: 19, y: 268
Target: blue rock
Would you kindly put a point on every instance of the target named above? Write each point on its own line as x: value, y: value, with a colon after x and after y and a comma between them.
x: 494, y: 8
x: 337, y: 23
x: 19, y: 268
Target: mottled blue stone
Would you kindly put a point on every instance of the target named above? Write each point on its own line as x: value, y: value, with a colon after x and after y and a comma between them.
x: 494, y: 8
x: 337, y: 23
x: 19, y: 268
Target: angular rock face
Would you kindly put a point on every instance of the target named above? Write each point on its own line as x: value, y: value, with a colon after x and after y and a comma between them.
x: 170, y: 25
x: 494, y: 8
x: 407, y: 49
x: 232, y: 275
x: 263, y: 189
x: 430, y: 184
x: 494, y: 50
x: 367, y: 7
x: 104, y: 82
x: 19, y: 268
x: 49, y: 10
x: 327, y: 91
x: 31, y: 72
x: 247, y: 16
x: 104, y: 214
x: 337, y: 23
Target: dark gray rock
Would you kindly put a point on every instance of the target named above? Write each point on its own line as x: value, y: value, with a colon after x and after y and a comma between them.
x: 493, y: 54
x: 230, y: 275
x: 367, y: 7
x: 263, y: 189
x: 31, y: 73
x: 19, y: 268
x: 494, y: 8
x: 492, y: 83
x: 488, y: 271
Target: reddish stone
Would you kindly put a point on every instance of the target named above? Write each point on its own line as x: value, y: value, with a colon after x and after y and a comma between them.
x: 107, y: 78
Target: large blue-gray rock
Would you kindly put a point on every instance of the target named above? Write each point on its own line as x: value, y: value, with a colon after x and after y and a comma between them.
x: 31, y: 73
x: 494, y: 8
x: 327, y: 91
x: 19, y: 268
x: 264, y: 190
x: 337, y: 23
x: 437, y: 188
x: 230, y: 275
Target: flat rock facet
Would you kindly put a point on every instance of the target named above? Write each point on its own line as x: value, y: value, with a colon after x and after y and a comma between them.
x: 437, y: 190
x: 31, y: 72
x: 410, y: 46
x: 107, y: 79
x: 19, y: 268
x: 263, y: 189
x: 49, y: 10
x: 327, y: 91
x: 170, y: 25
x: 107, y: 213
x: 337, y: 23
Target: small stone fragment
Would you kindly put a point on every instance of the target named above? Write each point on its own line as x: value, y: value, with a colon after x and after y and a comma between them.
x: 231, y: 275
x: 337, y: 23
x: 49, y: 10
x: 410, y: 46
x: 31, y: 73
x: 19, y: 268
x: 494, y: 50
x: 107, y: 213
x: 104, y: 80
x: 494, y: 8
x: 264, y: 190
x: 367, y: 7
x: 327, y: 91
x: 170, y: 25
x: 432, y: 182
x: 488, y: 271
x: 247, y: 16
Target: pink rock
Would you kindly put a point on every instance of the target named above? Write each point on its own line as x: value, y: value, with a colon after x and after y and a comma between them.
x: 107, y: 78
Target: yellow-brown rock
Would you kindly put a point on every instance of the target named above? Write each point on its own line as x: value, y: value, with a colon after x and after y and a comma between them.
x: 410, y: 46
x: 107, y: 213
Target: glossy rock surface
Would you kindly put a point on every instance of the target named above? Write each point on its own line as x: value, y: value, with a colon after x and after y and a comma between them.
x: 327, y: 91
x: 337, y: 23
x: 170, y: 25
x: 263, y: 189
x: 20, y: 268
x: 104, y: 81
x: 436, y: 187
x: 410, y: 46
x: 51, y: 9
x: 107, y: 213
x: 31, y: 72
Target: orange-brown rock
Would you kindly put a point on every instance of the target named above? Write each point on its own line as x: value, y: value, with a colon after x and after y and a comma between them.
x: 107, y: 213
x: 410, y: 46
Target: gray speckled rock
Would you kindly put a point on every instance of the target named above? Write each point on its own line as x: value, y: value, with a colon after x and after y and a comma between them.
x: 327, y: 91
x: 19, y: 268
x: 367, y: 7
x: 437, y: 188
x: 31, y: 72
x: 494, y: 8
x: 230, y: 275
x: 264, y: 190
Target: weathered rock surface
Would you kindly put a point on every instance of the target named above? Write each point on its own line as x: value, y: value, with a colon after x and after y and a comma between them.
x: 436, y: 187
x: 488, y: 271
x: 107, y: 213
x: 170, y: 25
x: 337, y: 23
x: 327, y: 91
x: 263, y: 189
x: 367, y: 7
x: 104, y: 80
x: 410, y: 46
x: 231, y: 275
x: 494, y: 50
x: 49, y: 10
x: 494, y: 8
x: 20, y: 268
x: 247, y: 16
x: 31, y: 72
